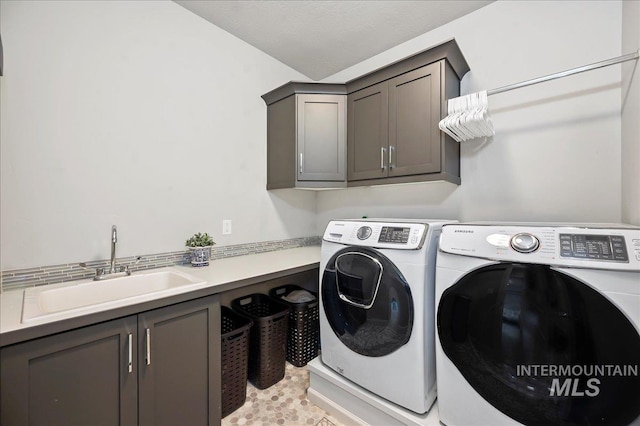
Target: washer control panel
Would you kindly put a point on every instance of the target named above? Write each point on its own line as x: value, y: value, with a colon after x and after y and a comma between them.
x: 587, y: 246
x: 404, y: 236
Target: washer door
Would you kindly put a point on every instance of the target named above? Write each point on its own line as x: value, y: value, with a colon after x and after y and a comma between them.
x: 367, y: 301
x: 542, y: 347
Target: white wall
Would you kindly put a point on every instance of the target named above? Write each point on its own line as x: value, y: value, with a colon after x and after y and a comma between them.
x: 556, y: 152
x: 139, y: 114
x: 143, y: 115
x: 631, y: 114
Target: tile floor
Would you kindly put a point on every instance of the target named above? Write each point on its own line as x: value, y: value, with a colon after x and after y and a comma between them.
x: 284, y: 403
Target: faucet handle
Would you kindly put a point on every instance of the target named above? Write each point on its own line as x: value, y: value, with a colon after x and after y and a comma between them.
x: 98, y: 271
x: 127, y: 268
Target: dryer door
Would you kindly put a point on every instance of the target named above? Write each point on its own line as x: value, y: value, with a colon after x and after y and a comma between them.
x: 367, y: 301
x: 541, y: 346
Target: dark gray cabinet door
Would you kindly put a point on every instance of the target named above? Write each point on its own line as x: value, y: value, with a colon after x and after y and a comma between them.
x: 367, y: 133
x: 179, y: 358
x: 414, y: 113
x: 281, y: 139
x: 81, y: 377
x: 321, y: 131
x: 306, y: 136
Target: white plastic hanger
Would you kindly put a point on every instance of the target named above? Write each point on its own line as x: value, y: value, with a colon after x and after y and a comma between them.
x: 468, y: 117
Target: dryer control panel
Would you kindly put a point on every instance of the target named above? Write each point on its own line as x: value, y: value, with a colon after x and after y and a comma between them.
x: 581, y: 246
x: 401, y: 236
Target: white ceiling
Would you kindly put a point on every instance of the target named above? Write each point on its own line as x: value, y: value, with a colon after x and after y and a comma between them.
x: 320, y: 38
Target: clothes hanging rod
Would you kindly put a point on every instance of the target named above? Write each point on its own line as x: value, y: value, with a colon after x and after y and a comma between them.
x: 601, y: 64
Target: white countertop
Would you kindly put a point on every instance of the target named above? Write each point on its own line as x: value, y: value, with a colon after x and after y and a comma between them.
x: 218, y: 273
x: 243, y: 267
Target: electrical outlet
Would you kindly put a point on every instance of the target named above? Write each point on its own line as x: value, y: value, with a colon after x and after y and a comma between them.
x: 226, y: 227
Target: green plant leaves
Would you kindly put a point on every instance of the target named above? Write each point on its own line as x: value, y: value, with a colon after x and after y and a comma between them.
x: 200, y: 240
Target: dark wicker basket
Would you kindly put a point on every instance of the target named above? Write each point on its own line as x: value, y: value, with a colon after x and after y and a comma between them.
x: 304, y: 327
x: 235, y: 355
x: 268, y: 338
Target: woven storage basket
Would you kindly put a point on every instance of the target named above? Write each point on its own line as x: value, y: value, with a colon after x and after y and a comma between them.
x: 268, y: 337
x: 304, y: 327
x: 235, y: 356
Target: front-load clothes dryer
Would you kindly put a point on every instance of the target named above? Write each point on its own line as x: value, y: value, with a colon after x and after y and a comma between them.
x: 377, y: 293
x: 538, y: 324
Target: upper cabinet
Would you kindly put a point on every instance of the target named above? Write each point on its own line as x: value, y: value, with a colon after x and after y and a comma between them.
x: 393, y: 115
x: 393, y: 127
x: 379, y: 128
x: 306, y: 136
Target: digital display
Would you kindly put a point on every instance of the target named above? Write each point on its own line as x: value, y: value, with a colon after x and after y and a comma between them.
x: 597, y: 247
x: 392, y: 234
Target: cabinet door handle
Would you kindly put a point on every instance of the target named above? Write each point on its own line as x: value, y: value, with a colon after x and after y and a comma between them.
x: 148, y: 346
x: 382, y: 152
x: 301, y: 164
x: 130, y: 350
x: 392, y: 150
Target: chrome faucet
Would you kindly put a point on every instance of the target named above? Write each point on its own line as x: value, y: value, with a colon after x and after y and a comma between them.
x: 113, y: 272
x: 114, y: 240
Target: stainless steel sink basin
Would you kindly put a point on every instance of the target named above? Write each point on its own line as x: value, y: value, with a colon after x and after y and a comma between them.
x: 49, y: 303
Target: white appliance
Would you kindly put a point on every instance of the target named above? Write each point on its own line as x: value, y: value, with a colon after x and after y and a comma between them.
x: 377, y: 316
x: 538, y: 324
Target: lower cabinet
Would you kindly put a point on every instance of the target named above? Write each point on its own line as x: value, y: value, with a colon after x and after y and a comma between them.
x: 179, y: 364
x: 80, y: 377
x: 160, y: 367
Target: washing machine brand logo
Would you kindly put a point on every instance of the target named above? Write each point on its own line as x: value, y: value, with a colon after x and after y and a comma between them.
x: 576, y: 380
x: 463, y: 231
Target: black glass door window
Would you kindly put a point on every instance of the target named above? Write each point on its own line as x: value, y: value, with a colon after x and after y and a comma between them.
x: 541, y: 346
x: 367, y: 301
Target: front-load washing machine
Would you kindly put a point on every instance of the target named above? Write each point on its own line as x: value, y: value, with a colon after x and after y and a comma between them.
x: 377, y: 321
x: 538, y: 324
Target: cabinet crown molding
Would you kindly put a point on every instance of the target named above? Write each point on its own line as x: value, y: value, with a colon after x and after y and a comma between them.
x: 299, y: 87
x: 449, y: 51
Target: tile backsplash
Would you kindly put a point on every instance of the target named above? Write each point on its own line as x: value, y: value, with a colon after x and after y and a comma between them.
x: 42, y: 275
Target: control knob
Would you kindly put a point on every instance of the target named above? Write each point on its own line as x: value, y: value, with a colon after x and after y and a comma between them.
x: 364, y: 232
x: 525, y: 243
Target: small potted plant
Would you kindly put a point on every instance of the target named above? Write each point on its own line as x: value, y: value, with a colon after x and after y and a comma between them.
x: 200, y: 249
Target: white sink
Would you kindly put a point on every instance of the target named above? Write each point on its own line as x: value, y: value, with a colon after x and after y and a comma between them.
x: 62, y: 300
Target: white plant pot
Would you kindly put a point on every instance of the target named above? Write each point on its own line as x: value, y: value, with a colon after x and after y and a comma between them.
x: 200, y: 256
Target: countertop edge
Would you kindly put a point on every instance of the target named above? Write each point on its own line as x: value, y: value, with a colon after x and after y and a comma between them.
x: 41, y: 330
